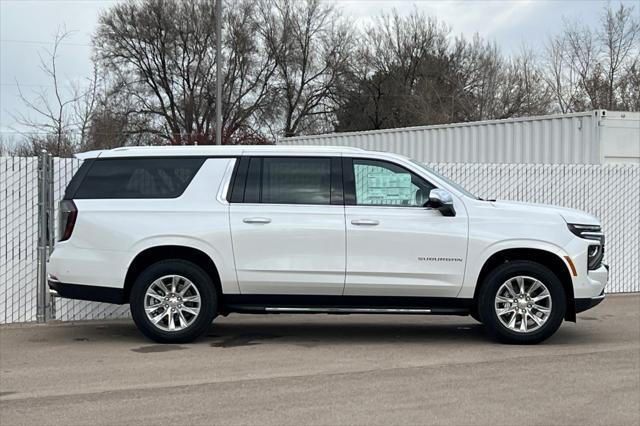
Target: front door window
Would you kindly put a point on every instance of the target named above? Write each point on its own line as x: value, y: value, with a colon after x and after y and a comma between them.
x: 379, y: 183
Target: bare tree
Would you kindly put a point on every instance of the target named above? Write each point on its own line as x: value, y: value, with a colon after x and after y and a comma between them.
x: 523, y: 90
x: 620, y: 38
x: 49, y: 121
x: 591, y: 68
x: 478, y: 70
x: 161, y: 55
x: 7, y: 144
x: 400, y: 76
x: 630, y: 87
x: 405, y: 44
x: 249, y: 75
x: 110, y: 125
x: 560, y: 76
x: 310, y: 44
x: 84, y: 107
x: 297, y: 66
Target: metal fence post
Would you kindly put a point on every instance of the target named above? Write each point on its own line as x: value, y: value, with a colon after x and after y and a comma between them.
x: 51, y: 234
x: 45, y: 240
x: 42, y: 246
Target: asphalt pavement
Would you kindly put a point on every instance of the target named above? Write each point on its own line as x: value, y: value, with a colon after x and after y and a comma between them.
x: 327, y: 370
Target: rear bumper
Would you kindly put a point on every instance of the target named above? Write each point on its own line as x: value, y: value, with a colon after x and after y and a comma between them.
x: 103, y: 268
x: 87, y: 292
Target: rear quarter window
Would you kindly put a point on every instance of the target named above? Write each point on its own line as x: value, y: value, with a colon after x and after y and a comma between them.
x: 136, y: 178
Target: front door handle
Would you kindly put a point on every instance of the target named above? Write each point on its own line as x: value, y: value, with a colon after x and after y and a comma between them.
x: 365, y: 222
x: 256, y: 220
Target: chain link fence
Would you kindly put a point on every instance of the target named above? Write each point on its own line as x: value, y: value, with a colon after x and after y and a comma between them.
x: 18, y: 239
x: 611, y: 192
x: 30, y: 189
x: 69, y: 309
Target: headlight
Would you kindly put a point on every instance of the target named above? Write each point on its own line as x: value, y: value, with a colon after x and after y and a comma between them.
x: 595, y: 255
x: 595, y: 251
x: 589, y: 232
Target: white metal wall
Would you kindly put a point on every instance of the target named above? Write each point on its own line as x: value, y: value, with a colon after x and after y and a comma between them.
x: 555, y: 139
x: 610, y: 192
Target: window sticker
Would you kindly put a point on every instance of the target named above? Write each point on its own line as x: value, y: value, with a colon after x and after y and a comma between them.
x: 388, y: 188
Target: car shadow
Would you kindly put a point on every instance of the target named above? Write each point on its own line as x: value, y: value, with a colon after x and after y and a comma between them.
x: 229, y: 333
x: 306, y: 334
x: 361, y: 331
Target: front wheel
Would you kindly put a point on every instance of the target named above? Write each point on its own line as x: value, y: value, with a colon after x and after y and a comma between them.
x: 173, y: 301
x: 521, y: 302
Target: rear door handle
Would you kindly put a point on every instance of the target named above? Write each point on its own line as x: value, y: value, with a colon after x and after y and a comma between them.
x: 365, y: 222
x: 256, y: 220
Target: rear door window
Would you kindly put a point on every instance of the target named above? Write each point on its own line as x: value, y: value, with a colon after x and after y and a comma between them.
x: 137, y: 178
x: 291, y: 180
x: 296, y: 181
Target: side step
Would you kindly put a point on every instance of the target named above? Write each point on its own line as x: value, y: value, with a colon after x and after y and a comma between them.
x: 253, y: 309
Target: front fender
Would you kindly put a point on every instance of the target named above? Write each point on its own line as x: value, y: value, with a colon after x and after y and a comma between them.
x: 478, y: 259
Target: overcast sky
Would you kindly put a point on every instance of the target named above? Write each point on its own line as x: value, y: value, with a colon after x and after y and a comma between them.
x: 27, y: 26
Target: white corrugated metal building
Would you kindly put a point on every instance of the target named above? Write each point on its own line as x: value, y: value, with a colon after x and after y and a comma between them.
x: 592, y: 137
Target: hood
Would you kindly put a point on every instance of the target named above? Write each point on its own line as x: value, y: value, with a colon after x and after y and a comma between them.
x: 568, y: 214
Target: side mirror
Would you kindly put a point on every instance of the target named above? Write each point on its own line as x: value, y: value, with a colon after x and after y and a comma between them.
x: 442, y: 200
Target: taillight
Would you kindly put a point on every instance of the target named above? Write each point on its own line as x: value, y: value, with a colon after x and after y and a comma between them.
x: 67, y: 219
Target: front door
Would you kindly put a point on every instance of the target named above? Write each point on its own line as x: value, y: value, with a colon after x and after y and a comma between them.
x: 395, y: 246
x: 288, y: 229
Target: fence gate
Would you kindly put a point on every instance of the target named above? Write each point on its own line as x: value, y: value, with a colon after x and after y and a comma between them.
x: 29, y: 190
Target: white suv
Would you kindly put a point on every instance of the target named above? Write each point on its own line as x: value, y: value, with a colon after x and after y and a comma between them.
x: 183, y: 234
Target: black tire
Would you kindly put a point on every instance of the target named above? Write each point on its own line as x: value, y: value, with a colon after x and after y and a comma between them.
x: 490, y: 287
x: 475, y: 316
x: 200, y: 279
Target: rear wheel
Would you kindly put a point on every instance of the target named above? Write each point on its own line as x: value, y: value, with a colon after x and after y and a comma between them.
x: 521, y: 302
x: 173, y: 301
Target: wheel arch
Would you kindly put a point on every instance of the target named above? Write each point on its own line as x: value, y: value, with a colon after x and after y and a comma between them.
x: 546, y: 258
x: 155, y: 254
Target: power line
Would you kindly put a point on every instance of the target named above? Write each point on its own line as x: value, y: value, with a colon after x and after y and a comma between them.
x: 123, y: 133
x: 35, y: 85
x: 63, y: 43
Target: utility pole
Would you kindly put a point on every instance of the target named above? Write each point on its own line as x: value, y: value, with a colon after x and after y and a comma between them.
x: 219, y: 72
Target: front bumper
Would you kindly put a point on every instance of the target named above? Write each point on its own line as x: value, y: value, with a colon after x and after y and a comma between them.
x: 598, y: 279
x: 586, y: 304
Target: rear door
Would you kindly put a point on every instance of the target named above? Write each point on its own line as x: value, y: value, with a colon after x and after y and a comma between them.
x: 288, y: 225
x: 395, y: 246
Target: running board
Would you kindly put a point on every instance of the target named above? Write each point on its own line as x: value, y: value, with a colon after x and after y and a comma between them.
x: 344, y: 310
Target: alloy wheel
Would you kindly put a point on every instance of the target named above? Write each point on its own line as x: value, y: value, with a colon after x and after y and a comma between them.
x: 523, y: 304
x: 172, y: 303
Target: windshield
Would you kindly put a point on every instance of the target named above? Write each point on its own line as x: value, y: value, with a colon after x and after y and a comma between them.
x: 446, y: 179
